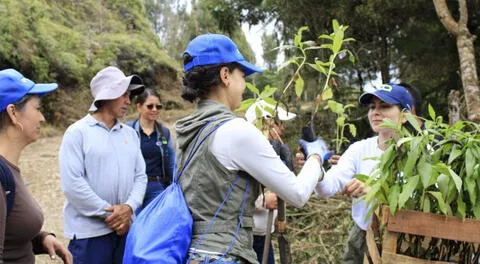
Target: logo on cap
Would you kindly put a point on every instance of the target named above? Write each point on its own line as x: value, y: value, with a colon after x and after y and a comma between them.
x: 385, y: 87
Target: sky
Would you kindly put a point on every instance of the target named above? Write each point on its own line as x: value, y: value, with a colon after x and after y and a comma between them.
x: 254, y: 38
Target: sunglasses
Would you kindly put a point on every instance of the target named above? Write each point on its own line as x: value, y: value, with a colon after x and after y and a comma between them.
x: 157, y: 106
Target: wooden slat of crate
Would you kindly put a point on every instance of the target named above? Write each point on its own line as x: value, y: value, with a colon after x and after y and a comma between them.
x: 392, y: 258
x: 433, y: 225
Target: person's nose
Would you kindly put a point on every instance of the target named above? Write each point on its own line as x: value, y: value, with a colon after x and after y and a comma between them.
x: 127, y: 100
x: 42, y: 118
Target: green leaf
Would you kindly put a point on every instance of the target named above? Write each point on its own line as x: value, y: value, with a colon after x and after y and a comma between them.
x: 456, y: 179
x: 403, y: 140
x: 253, y: 89
x: 298, y: 37
x: 471, y: 186
x: 327, y: 93
x: 442, y: 181
x: 476, y: 210
x: 407, y: 191
x: 351, y: 57
x: 431, y: 112
x: 267, y: 92
x: 441, y: 203
x: 413, y: 121
x: 270, y: 100
x: 362, y: 177
x: 469, y: 162
x: 425, y: 170
x: 413, y: 156
x: 353, y: 129
x: 426, y: 205
x: 246, y: 104
x: 325, y: 36
x: 393, y: 198
x: 461, y: 206
x: 454, y: 154
x: 318, y: 68
x: 299, y: 84
x: 335, y: 106
x: 335, y: 25
x: 340, y: 121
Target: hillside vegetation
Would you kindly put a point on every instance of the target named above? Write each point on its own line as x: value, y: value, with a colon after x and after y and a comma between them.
x: 68, y: 41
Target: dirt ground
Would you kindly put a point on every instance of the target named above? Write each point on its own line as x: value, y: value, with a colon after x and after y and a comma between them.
x: 39, y: 167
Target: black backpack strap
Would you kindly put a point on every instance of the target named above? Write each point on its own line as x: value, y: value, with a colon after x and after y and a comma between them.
x: 8, y: 184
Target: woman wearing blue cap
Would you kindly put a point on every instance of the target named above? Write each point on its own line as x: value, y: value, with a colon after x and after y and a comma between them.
x: 231, y: 155
x: 385, y: 102
x: 20, y: 216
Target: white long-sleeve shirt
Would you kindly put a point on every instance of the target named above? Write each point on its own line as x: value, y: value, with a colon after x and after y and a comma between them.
x: 238, y: 145
x: 354, y: 161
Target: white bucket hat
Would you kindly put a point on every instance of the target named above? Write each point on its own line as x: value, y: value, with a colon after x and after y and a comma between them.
x: 282, y: 114
x: 111, y: 83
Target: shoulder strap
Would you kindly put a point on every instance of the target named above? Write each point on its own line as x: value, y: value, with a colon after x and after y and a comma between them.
x: 8, y: 184
x: 196, y: 146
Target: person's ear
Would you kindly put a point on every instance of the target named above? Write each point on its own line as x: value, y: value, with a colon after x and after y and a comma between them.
x: 405, y: 112
x: 11, y: 112
x: 138, y: 107
x: 225, y: 76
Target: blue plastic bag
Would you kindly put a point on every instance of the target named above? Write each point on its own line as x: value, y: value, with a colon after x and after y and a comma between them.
x: 162, y: 232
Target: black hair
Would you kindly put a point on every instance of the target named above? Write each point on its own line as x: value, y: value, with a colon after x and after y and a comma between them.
x: 416, y: 96
x: 198, y: 81
x: 141, y: 98
x: 19, y: 105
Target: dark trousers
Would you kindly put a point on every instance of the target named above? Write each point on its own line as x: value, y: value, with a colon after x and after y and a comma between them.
x: 258, y: 244
x: 356, y: 246
x: 106, y: 249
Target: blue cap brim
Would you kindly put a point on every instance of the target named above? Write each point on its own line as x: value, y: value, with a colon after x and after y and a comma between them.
x: 42, y: 89
x: 249, y: 68
x: 366, y: 97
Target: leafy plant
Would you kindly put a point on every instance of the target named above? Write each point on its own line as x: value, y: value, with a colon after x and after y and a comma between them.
x: 334, y: 44
x: 435, y: 169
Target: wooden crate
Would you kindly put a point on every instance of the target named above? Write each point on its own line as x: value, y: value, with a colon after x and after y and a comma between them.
x: 418, y: 223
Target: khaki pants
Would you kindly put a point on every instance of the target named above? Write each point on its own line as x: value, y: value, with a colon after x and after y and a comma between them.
x: 356, y: 246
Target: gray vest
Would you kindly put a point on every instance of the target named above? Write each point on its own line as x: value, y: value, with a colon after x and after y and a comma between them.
x: 205, y: 183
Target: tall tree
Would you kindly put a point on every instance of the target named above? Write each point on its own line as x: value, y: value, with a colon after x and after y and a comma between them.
x: 466, y: 52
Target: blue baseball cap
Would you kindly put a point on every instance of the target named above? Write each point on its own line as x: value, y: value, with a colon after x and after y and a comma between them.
x: 14, y: 86
x: 209, y: 49
x: 389, y: 93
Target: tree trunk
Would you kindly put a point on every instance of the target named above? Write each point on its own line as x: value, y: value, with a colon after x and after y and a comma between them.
x: 466, y: 54
x: 454, y: 107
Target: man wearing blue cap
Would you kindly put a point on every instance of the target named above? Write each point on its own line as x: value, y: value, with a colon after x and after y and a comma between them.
x: 102, y: 171
x: 21, y: 218
x: 389, y: 101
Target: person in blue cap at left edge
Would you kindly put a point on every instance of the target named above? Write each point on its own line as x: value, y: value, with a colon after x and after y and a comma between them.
x: 237, y: 151
x: 21, y: 218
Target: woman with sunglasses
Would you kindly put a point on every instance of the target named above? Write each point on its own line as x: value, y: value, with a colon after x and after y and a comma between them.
x: 156, y: 144
x: 21, y: 218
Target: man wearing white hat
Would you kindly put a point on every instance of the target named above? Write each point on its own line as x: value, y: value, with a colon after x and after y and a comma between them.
x: 102, y: 171
x: 273, y: 126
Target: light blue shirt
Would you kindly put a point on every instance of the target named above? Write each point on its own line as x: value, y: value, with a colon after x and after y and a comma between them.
x: 99, y: 167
